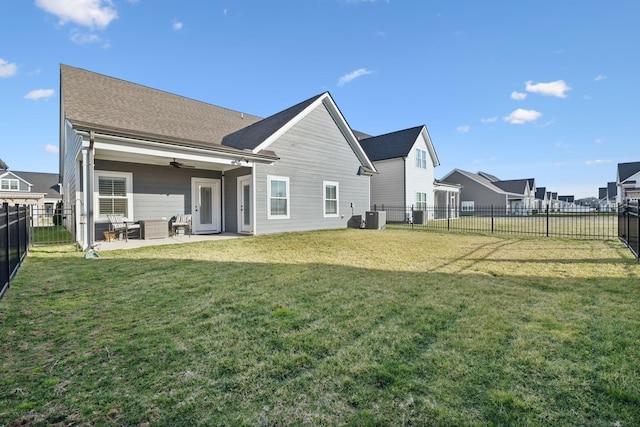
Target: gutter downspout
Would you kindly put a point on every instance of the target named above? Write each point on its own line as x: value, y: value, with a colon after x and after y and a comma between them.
x: 91, y: 232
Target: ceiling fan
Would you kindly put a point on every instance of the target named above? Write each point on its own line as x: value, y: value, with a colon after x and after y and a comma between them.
x: 179, y: 165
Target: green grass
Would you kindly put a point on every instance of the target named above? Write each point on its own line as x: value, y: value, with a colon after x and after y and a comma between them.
x: 54, y: 234
x: 348, y: 327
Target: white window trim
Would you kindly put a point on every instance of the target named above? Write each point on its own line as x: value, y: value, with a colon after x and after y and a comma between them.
x: 324, y: 199
x: 467, y: 206
x: 421, y: 158
x: 128, y: 176
x: 288, y: 198
x: 9, y: 181
x: 421, y: 205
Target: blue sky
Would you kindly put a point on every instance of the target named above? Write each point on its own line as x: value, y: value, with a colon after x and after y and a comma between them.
x: 520, y: 89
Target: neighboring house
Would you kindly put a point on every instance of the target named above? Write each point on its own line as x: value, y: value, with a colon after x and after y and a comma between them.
x: 405, y: 161
x: 480, y: 192
x: 30, y: 188
x: 147, y: 154
x: 607, y: 197
x: 628, y: 182
x: 541, y: 199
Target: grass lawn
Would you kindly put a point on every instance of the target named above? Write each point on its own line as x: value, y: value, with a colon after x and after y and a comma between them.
x: 348, y: 327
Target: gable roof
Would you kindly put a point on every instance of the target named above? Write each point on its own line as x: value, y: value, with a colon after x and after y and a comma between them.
x: 40, y: 182
x: 92, y: 101
x: 46, y: 183
x: 261, y: 135
x: 253, y: 135
x: 541, y: 192
x: 480, y: 180
x: 627, y: 170
x: 513, y: 185
x: 612, y: 190
x: 397, y: 144
x: 488, y: 176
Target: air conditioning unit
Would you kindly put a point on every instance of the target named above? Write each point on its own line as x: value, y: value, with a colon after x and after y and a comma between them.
x: 376, y: 220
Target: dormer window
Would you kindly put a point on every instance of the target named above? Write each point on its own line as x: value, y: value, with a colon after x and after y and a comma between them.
x: 7, y: 184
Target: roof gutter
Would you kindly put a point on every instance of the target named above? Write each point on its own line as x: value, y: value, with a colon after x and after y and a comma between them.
x: 230, y: 154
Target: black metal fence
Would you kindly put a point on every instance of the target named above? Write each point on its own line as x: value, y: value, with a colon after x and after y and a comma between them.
x: 629, y: 227
x: 51, y: 226
x: 14, y: 242
x: 573, y: 222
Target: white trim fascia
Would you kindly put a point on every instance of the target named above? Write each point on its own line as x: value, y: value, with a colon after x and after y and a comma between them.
x: 162, y: 149
x: 277, y: 134
x: 432, y: 150
x: 18, y: 177
x: 340, y: 121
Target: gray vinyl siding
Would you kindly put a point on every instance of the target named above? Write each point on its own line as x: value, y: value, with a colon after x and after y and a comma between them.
x: 313, y: 151
x: 388, y: 187
x: 231, y: 198
x: 158, y: 191
x: 476, y: 192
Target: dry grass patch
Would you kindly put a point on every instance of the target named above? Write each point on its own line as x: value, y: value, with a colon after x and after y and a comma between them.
x: 348, y: 327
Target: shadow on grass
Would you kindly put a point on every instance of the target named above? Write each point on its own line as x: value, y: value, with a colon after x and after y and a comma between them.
x: 181, y: 342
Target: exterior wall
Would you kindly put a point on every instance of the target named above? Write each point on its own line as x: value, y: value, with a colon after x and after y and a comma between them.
x: 387, y: 188
x: 313, y: 151
x: 476, y: 192
x: 159, y: 192
x: 419, y: 180
x: 230, y: 196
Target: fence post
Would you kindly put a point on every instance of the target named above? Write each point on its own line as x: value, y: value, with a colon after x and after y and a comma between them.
x: 637, y: 237
x: 547, y: 214
x: 492, y: 219
x: 7, y: 258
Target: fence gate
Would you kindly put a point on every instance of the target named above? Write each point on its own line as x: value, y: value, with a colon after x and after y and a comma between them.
x: 51, y: 226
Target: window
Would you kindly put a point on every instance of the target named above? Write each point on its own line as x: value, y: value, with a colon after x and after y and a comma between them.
x: 9, y: 184
x: 278, y: 197
x: 467, y: 206
x: 421, y: 158
x: 330, y: 199
x: 114, y: 194
x: 421, y: 201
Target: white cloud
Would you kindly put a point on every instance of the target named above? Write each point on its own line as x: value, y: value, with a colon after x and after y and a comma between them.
x: 225, y: 12
x: 518, y: 96
x: 558, y: 164
x: 557, y: 88
x: 50, y: 148
x: 521, y: 116
x: 600, y: 77
x: 7, y: 69
x: 39, y: 94
x: 598, y: 141
x: 88, y: 13
x: 353, y: 75
x: 597, y: 162
x: 79, y: 37
x: 490, y: 120
x: 177, y: 25
x: 463, y: 129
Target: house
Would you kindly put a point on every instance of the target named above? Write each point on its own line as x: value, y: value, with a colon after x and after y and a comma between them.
x: 628, y: 182
x: 607, y: 197
x: 406, y: 161
x: 30, y: 188
x: 481, y: 190
x: 147, y: 154
x: 541, y: 199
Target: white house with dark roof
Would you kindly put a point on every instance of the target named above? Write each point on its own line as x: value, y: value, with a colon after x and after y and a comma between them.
x: 628, y: 182
x: 146, y: 154
x: 406, y: 162
x: 482, y: 190
x: 30, y: 188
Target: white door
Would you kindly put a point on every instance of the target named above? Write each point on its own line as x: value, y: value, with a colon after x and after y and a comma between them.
x: 205, y: 198
x: 245, y: 208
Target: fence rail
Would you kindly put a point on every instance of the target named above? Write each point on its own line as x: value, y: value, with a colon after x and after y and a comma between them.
x: 49, y: 227
x: 14, y: 242
x: 582, y: 223
x: 629, y: 227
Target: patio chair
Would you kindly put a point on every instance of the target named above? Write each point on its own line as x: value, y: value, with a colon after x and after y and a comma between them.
x: 182, y: 222
x: 120, y: 227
